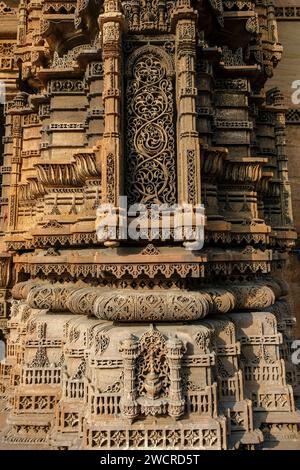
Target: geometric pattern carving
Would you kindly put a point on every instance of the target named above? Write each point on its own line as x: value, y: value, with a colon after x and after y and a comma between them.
x: 153, y: 306
x: 293, y: 116
x: 159, y: 438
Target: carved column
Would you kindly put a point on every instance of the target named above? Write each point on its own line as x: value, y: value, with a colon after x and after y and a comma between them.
x: 277, y: 200
x: 22, y: 23
x: 272, y: 24
x: 111, y: 24
x: 129, y: 351
x: 17, y: 108
x: 282, y: 162
x: 188, y: 146
x: 174, y: 355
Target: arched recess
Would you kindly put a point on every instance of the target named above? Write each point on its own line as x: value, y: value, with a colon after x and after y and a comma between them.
x: 150, y: 137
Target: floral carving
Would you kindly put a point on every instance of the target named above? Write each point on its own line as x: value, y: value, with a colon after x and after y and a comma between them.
x: 151, y: 174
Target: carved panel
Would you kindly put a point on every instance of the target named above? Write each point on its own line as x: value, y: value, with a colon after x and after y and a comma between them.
x: 150, y: 141
x: 148, y: 15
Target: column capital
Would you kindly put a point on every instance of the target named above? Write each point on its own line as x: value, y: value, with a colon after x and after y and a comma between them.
x: 112, y: 13
x: 182, y: 11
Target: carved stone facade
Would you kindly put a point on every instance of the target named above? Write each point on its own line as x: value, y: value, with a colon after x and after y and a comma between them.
x: 286, y: 78
x: 154, y: 100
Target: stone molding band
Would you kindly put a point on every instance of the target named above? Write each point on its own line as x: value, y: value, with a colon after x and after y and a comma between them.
x: 148, y: 305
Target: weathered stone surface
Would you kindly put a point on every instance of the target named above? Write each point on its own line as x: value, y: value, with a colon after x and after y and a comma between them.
x: 183, y: 348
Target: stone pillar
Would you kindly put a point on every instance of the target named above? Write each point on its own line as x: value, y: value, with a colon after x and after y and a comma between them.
x: 278, y: 203
x: 22, y: 23
x: 111, y: 24
x: 16, y: 108
x: 272, y: 23
x: 282, y: 162
x: 174, y: 355
x: 188, y: 145
x: 129, y: 351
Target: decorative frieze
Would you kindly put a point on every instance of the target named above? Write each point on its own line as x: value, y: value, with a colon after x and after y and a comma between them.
x: 287, y: 13
x: 293, y: 116
x: 66, y: 86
